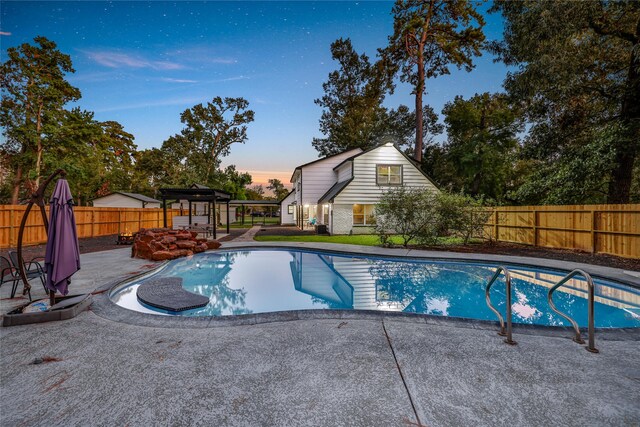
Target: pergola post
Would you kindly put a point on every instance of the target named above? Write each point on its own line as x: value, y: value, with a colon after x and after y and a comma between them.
x: 164, y: 211
x: 228, y: 219
x: 189, y: 212
x: 215, y: 220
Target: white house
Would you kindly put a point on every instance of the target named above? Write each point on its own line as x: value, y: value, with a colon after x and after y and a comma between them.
x: 341, y: 191
x: 310, y: 182
x: 120, y: 199
x: 288, y: 209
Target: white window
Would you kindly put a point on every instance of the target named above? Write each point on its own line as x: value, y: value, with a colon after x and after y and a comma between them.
x: 290, y: 209
x: 389, y: 174
x: 364, y: 215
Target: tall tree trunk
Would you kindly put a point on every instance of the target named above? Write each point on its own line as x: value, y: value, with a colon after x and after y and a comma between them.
x: 627, y: 145
x: 419, y: 118
x: 17, y: 180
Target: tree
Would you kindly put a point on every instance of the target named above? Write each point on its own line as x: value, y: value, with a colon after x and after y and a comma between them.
x: 255, y: 192
x: 153, y: 169
x: 428, y: 36
x: 278, y: 188
x: 579, y: 81
x: 234, y: 182
x: 353, y: 115
x: 209, y: 132
x: 482, y: 145
x: 401, y: 126
x: 97, y: 156
x: 34, y: 91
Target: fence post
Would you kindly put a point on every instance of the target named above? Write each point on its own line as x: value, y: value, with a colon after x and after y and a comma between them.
x: 535, y: 227
x: 139, y: 220
x: 93, y: 221
x: 12, y: 226
x: 593, y: 232
x: 495, y: 224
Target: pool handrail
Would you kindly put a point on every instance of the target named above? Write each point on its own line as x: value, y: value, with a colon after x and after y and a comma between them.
x: 591, y: 322
x: 507, y: 279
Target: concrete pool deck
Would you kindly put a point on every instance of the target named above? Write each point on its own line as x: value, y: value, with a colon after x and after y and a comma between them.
x: 348, y: 371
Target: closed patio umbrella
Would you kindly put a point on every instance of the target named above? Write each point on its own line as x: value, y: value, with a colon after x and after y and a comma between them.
x: 62, y: 256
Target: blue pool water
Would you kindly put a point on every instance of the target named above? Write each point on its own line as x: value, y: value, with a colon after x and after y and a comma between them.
x: 259, y: 281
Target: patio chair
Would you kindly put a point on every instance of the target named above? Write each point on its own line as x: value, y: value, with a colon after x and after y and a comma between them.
x: 32, y: 269
x: 8, y: 274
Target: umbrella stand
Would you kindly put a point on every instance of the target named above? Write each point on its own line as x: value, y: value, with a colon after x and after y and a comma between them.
x: 37, y: 198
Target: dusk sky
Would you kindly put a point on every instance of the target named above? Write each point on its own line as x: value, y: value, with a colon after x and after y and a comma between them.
x: 143, y: 63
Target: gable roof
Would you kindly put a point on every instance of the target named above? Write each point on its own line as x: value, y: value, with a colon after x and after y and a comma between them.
x: 136, y: 196
x: 412, y: 161
x: 199, y: 186
x: 336, y: 189
x: 321, y: 159
x: 288, y: 194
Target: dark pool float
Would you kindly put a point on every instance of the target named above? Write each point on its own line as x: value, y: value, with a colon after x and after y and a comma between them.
x: 167, y: 293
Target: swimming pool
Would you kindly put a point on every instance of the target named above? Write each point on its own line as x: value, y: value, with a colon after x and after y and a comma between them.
x: 270, y: 280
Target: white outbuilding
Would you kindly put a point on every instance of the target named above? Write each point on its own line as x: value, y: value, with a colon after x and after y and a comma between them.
x: 120, y: 199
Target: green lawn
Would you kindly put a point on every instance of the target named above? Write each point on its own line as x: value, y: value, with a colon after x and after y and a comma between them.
x: 258, y: 220
x: 356, y: 239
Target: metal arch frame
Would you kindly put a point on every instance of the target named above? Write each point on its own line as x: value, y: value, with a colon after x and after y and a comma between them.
x: 591, y: 322
x: 507, y: 278
x: 37, y: 198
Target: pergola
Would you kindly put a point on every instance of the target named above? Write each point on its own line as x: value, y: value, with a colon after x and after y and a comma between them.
x: 210, y: 195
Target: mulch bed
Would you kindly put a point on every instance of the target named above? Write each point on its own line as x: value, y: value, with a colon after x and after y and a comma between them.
x: 501, y: 248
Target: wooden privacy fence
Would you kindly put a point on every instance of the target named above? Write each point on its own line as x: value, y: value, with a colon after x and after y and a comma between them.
x: 609, y: 229
x: 90, y: 222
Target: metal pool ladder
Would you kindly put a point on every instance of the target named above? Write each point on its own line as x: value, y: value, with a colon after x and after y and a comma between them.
x: 578, y: 338
x: 507, y: 279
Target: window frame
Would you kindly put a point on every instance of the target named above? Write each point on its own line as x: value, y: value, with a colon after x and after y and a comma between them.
x: 364, y: 215
x: 389, y: 183
x: 290, y: 209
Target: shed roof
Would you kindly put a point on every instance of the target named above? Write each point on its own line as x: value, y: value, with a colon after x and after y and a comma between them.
x: 136, y: 196
x: 195, y: 194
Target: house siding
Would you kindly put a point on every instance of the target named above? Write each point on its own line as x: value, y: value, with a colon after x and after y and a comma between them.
x: 364, y: 189
x: 344, y: 172
x: 285, y: 216
x: 318, y: 177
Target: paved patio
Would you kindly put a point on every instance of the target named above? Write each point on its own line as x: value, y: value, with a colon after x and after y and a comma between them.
x: 334, y: 372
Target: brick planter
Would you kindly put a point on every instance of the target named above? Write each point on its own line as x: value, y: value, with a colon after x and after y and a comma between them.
x: 159, y: 244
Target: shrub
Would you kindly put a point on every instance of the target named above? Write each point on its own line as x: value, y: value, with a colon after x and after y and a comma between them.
x: 462, y: 215
x: 422, y: 216
x: 408, y: 212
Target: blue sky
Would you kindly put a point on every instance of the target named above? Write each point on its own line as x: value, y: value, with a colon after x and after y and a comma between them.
x: 143, y: 63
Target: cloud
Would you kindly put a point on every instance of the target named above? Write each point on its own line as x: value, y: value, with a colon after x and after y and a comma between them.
x: 113, y: 59
x: 170, y: 80
x: 231, y: 79
x: 189, y: 102
x: 5, y: 33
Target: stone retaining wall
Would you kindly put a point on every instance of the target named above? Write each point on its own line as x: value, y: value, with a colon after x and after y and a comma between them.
x: 159, y: 244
